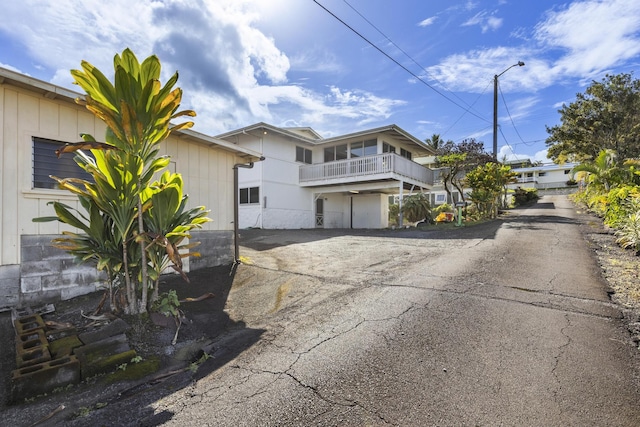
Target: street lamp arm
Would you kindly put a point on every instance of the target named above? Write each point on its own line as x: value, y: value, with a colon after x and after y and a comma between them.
x: 518, y: 64
x: 495, y: 108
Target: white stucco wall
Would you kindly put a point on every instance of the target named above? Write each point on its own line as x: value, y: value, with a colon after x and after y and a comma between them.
x: 370, y: 211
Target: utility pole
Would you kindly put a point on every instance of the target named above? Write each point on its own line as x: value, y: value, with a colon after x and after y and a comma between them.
x: 495, y: 108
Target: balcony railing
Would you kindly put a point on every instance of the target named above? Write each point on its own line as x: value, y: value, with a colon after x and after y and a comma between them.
x: 388, y: 165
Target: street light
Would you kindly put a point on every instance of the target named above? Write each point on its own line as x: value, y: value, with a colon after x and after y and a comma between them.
x: 495, y: 108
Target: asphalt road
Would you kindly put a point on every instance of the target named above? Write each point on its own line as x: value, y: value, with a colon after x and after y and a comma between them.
x: 502, y: 324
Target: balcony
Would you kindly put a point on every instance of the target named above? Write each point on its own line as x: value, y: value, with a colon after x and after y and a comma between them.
x: 381, y: 167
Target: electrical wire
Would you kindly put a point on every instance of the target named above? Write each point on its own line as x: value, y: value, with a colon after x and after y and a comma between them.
x: 504, y: 101
x: 398, y: 63
x: 410, y: 57
x: 465, y: 112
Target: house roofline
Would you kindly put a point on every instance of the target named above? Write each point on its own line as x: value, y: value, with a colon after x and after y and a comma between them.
x: 247, y: 154
x: 51, y: 91
x: 392, y: 128
x: 265, y: 127
x: 545, y: 168
x: 48, y: 90
x: 406, y: 136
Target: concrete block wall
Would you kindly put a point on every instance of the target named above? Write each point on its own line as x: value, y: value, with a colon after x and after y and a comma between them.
x: 216, y: 248
x: 50, y: 274
x: 9, y: 286
x: 47, y: 274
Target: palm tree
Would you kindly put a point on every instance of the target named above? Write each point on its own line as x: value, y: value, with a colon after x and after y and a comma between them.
x: 435, y: 142
x: 602, y: 172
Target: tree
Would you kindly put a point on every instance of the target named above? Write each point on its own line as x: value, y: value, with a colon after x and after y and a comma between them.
x: 132, y: 226
x: 435, y: 142
x: 456, y: 160
x: 606, y: 116
x: 486, y: 183
x: 602, y: 172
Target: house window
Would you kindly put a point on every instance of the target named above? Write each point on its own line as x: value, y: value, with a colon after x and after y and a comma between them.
x: 364, y: 148
x: 441, y: 198
x: 542, y: 173
x: 46, y: 163
x: 567, y: 171
x: 406, y: 154
x: 303, y: 155
x: 339, y: 152
x: 388, y: 148
x: 250, y: 196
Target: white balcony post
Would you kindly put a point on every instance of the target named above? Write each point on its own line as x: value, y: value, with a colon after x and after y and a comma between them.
x: 400, y: 204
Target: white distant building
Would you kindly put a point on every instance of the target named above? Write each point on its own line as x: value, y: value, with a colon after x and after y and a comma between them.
x: 544, y: 177
x: 307, y: 181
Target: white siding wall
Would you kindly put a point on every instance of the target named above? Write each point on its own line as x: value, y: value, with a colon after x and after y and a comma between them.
x: 336, y: 211
x: 207, y: 173
x: 25, y: 115
x: 208, y: 178
x: 554, y: 176
x: 287, y: 204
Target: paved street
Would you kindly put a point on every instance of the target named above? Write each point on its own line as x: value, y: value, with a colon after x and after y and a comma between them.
x: 506, y: 324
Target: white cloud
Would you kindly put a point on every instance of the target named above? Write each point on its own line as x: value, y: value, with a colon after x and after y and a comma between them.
x: 592, y: 35
x: 232, y: 73
x: 427, y: 22
x: 316, y: 60
x: 485, y: 21
x: 508, y: 153
x: 10, y: 67
x: 473, y: 71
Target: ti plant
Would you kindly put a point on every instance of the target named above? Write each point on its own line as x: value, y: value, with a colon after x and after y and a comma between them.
x: 130, y: 225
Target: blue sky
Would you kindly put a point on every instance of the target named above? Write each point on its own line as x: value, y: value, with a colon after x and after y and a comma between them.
x: 291, y: 63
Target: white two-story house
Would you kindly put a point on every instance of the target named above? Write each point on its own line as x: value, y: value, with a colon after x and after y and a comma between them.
x: 544, y: 177
x: 307, y: 181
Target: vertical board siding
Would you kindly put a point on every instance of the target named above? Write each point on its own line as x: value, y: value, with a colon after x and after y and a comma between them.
x: 207, y: 170
x: 9, y: 226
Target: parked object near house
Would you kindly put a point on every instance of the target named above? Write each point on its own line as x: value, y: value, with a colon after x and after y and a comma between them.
x: 36, y: 118
x: 307, y: 181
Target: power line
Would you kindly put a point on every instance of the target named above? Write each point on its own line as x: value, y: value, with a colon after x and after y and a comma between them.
x: 409, y: 56
x: 504, y: 101
x: 465, y: 112
x: 398, y: 63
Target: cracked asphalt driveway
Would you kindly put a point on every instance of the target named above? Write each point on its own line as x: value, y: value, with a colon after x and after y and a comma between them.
x: 504, y: 323
x: 507, y: 323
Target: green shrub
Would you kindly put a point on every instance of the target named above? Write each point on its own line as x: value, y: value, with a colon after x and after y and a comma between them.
x: 524, y: 196
x: 416, y: 207
x: 620, y: 204
x: 628, y: 233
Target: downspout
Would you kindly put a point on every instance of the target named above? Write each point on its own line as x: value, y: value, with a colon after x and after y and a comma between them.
x: 236, y: 190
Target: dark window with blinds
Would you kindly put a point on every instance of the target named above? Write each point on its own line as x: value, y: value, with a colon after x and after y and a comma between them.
x: 249, y: 195
x: 46, y: 163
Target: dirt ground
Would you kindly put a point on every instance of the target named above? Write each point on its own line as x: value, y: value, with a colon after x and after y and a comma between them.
x: 620, y: 268
x: 209, y: 321
x: 203, y: 321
